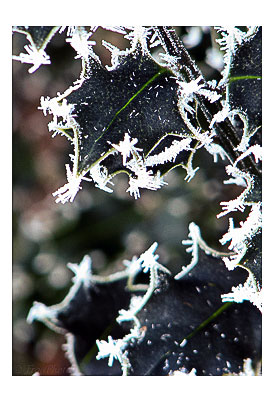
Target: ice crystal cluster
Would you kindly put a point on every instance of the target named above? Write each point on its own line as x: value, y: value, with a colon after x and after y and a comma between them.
x: 142, y: 116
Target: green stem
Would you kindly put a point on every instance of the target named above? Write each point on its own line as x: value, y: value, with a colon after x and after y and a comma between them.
x: 244, y: 77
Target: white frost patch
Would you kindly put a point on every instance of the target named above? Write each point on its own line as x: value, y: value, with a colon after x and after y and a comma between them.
x: 70, y: 189
x: 144, y: 179
x: 139, y: 34
x: 126, y: 147
x: 221, y: 115
x: 56, y: 108
x: 34, y: 56
x: 82, y: 271
x: 44, y: 314
x: 240, y: 236
x: 256, y: 150
x: 59, y: 110
x: 100, y: 176
x: 39, y: 312
x: 250, y: 291
x: 183, y: 371
x: 187, y: 90
x: 246, y: 230
x: 111, y: 349
x: 239, y: 203
x: 248, y: 369
x: 79, y: 40
x: 170, y: 153
x: 193, y: 243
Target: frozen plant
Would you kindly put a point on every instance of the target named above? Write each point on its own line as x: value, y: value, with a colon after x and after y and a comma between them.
x: 150, y: 111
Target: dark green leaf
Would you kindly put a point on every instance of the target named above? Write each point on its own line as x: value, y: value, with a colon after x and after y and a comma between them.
x: 245, y: 84
x: 219, y: 336
x: 138, y: 97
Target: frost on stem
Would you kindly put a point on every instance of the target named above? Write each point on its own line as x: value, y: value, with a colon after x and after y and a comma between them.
x: 68, y: 348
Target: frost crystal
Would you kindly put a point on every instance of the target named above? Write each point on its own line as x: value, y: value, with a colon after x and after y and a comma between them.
x: 100, y: 176
x: 34, y: 56
x: 82, y: 271
x: 241, y: 236
x: 139, y: 34
x: 45, y: 314
x: 53, y: 106
x: 70, y: 189
x: 246, y: 231
x: 189, y: 89
x: 39, y: 311
x: 148, y: 259
x: 183, y: 371
x: 126, y: 147
x: 231, y: 38
x: 239, y: 203
x: 79, y: 40
x: 256, y: 150
x: 194, y: 234
x: 250, y: 291
x: 221, y: 115
x: 111, y: 349
x: 143, y: 179
x: 170, y: 153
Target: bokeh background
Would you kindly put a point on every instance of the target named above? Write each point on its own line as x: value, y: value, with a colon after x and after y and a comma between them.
x: 108, y: 227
